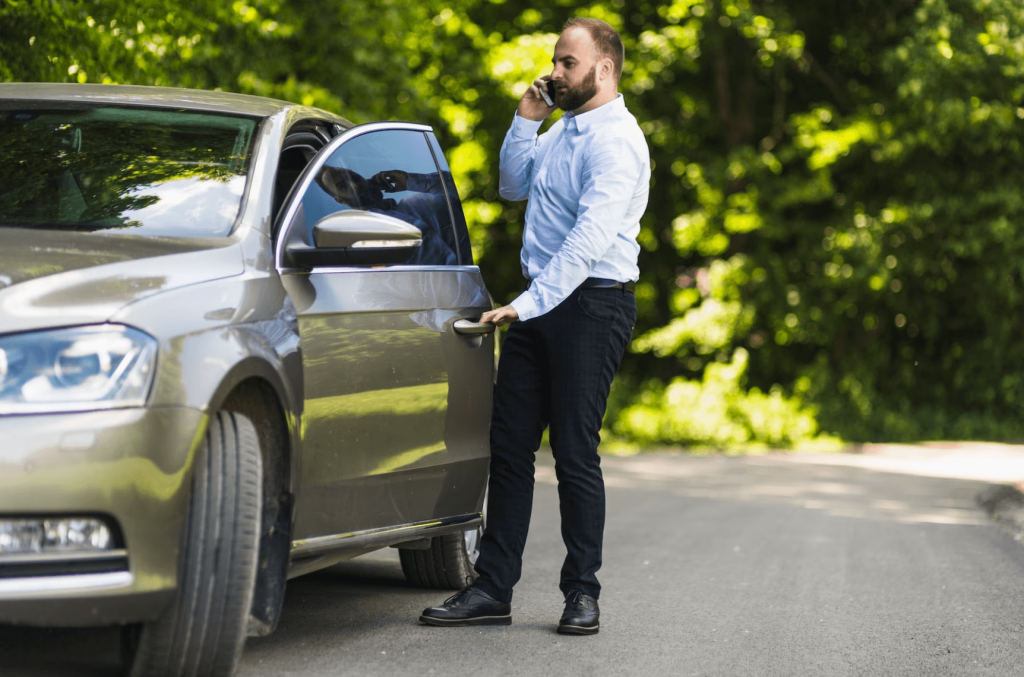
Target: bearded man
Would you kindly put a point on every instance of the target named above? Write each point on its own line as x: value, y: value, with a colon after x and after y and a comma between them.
x: 586, y: 181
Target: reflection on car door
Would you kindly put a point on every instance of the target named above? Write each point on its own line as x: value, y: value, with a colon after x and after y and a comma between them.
x: 396, y: 404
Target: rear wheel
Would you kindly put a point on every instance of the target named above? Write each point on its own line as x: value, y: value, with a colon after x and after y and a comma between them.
x: 445, y: 564
x: 203, y: 631
x: 448, y: 562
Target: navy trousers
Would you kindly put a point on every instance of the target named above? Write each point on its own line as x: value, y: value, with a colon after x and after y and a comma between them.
x: 555, y: 370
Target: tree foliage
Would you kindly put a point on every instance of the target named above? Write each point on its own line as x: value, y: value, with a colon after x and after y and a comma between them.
x: 831, y: 242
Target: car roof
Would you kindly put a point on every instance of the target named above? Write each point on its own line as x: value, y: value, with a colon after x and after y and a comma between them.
x: 155, y: 97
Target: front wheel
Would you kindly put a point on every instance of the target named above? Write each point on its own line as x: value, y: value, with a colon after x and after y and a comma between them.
x: 203, y: 631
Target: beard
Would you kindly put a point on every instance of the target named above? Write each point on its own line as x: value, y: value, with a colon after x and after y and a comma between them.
x: 572, y: 97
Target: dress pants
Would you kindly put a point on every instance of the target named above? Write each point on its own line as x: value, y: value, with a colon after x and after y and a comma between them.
x: 555, y: 370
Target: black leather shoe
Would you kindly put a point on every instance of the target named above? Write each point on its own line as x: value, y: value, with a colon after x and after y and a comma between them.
x: 469, y: 606
x: 581, y: 615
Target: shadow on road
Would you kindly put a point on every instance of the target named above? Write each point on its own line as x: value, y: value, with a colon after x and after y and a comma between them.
x: 363, y: 596
x: 59, y: 652
x: 352, y: 595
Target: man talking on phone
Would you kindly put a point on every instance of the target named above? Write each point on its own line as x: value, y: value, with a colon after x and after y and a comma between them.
x: 586, y: 181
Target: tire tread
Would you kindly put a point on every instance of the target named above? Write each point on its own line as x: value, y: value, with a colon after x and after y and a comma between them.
x: 203, y: 632
x: 445, y: 565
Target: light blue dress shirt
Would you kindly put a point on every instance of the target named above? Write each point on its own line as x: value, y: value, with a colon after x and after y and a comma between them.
x: 587, y: 180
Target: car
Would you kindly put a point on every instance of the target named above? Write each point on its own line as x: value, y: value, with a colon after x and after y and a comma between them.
x: 239, y: 342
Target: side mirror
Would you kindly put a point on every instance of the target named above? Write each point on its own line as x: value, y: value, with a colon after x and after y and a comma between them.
x: 356, y: 238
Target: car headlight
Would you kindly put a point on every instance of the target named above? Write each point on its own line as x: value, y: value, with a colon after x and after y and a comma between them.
x: 77, y: 369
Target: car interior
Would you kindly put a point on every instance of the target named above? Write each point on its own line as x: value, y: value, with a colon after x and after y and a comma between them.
x: 301, y: 145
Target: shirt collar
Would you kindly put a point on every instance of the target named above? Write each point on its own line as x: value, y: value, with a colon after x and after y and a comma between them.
x: 592, y: 118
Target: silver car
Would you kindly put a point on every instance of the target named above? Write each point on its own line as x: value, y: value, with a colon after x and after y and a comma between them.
x: 238, y: 343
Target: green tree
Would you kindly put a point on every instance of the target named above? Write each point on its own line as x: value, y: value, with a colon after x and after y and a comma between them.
x: 832, y: 215
x: 831, y: 241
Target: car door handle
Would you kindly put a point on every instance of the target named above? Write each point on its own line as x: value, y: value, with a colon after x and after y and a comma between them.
x: 470, y: 327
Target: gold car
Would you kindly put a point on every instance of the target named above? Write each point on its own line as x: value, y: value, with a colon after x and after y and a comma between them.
x: 238, y: 343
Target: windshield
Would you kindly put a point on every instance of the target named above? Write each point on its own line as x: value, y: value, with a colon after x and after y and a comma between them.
x: 139, y: 171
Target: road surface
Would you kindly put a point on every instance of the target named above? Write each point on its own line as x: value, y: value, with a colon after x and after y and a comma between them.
x: 775, y: 565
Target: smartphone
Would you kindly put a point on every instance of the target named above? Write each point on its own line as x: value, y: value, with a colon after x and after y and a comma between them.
x: 547, y: 92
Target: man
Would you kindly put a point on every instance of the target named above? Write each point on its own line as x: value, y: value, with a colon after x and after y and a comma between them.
x: 587, y: 181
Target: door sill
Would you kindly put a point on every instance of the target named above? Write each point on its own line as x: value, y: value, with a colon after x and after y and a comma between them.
x: 310, y: 554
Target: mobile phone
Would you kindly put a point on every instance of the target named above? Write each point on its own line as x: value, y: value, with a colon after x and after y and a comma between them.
x: 547, y: 92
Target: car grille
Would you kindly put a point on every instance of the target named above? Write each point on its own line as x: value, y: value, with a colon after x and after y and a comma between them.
x: 62, y: 564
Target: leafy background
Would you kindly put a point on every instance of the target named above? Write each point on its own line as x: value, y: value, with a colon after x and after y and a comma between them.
x: 831, y: 250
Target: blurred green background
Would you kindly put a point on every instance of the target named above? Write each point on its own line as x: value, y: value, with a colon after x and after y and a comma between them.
x: 831, y: 250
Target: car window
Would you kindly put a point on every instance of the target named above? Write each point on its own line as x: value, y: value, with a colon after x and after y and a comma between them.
x: 390, y: 172
x: 143, y: 171
x: 464, y: 249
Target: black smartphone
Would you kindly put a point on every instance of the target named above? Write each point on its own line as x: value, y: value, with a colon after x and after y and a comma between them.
x: 547, y: 92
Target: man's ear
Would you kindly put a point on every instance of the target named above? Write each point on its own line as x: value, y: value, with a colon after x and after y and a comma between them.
x: 607, y: 69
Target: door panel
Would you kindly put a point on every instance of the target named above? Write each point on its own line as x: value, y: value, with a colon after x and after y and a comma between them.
x: 396, y: 405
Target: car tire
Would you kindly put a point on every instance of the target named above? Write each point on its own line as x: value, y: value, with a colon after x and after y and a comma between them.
x: 448, y: 562
x: 445, y: 564
x: 202, y: 633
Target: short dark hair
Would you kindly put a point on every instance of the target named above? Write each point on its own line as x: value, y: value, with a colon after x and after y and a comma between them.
x: 606, y: 40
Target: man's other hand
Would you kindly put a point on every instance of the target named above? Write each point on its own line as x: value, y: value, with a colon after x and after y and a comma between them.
x: 501, y: 316
x: 532, y: 106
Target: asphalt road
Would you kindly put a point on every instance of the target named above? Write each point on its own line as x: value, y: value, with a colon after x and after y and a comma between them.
x: 713, y: 566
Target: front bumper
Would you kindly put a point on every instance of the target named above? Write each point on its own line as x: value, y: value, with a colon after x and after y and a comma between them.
x: 132, y: 466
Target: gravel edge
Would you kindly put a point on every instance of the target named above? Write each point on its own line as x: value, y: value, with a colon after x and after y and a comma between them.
x: 1004, y: 503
